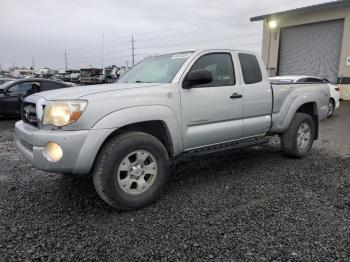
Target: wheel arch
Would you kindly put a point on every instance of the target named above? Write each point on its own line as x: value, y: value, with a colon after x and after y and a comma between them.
x: 310, y: 108
x: 156, y: 128
x: 158, y: 120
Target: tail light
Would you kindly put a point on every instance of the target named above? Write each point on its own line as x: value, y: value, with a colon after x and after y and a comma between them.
x: 337, y: 88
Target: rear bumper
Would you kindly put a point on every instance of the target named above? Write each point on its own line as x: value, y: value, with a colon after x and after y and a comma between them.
x: 79, y: 147
x: 336, y: 97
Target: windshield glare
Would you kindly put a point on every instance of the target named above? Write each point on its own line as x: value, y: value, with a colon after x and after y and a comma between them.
x: 156, y: 69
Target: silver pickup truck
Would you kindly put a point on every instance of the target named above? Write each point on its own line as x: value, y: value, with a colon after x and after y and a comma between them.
x: 124, y: 134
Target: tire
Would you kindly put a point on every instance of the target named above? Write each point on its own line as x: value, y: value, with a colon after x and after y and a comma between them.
x: 331, y: 108
x: 120, y: 174
x: 295, y: 145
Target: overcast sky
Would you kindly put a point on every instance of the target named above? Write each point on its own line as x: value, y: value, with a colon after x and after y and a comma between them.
x: 44, y: 29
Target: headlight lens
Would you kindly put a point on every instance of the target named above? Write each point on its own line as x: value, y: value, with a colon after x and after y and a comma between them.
x: 61, y: 113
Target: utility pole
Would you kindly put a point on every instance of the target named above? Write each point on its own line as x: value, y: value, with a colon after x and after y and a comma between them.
x: 33, y: 62
x: 132, y: 50
x: 103, y: 43
x: 65, y: 57
x: 127, y: 63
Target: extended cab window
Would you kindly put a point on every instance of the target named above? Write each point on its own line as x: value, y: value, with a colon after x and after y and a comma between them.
x: 221, y: 67
x: 250, y: 68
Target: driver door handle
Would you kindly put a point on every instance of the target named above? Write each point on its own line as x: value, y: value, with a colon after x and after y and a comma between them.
x: 235, y: 95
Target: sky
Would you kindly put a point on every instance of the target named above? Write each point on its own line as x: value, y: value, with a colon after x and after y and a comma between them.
x: 98, y: 32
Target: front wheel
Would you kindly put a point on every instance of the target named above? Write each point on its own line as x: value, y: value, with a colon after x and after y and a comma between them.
x: 298, y: 139
x: 131, y: 170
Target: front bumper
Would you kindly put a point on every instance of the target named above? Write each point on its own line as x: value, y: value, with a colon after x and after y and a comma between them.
x: 79, y: 147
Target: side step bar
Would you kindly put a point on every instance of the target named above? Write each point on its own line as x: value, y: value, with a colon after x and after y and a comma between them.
x: 227, y: 146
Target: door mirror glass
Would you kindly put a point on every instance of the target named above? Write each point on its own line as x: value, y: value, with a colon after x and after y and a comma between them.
x: 198, y: 77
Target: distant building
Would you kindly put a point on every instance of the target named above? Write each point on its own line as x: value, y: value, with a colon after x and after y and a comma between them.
x: 313, y: 40
x: 22, y: 73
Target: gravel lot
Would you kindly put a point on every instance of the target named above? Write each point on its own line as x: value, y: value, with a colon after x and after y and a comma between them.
x: 252, y: 204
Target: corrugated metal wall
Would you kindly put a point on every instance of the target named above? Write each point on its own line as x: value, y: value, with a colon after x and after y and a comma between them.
x: 311, y: 49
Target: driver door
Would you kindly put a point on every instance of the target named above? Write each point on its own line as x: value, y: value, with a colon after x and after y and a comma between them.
x: 212, y: 113
x: 13, y: 97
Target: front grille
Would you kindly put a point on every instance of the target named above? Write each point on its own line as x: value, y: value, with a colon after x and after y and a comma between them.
x: 29, y: 113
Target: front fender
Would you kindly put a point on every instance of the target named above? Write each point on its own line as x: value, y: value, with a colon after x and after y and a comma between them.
x: 132, y: 115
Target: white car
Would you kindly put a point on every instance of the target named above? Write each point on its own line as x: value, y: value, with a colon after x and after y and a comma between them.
x: 334, y: 90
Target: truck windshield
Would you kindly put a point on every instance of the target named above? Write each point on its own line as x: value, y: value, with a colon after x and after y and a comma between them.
x: 156, y: 69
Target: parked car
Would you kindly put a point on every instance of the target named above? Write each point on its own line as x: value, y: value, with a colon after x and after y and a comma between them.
x: 3, y: 80
x: 12, y: 93
x: 90, y: 76
x: 188, y: 103
x: 333, y: 102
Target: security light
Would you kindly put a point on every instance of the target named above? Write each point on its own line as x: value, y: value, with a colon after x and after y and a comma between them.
x: 272, y: 24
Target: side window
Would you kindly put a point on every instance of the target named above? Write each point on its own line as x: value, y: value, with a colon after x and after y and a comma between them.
x: 220, y: 65
x: 46, y: 86
x: 250, y: 68
x: 314, y: 80
x: 22, y: 88
x: 310, y: 80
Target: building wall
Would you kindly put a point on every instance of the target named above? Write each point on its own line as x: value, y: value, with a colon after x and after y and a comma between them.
x: 270, y: 45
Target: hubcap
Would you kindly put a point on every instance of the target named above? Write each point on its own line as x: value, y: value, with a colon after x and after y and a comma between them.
x: 304, y: 135
x: 137, y: 172
x: 330, y: 108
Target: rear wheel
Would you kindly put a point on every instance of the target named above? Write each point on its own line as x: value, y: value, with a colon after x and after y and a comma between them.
x: 331, y: 108
x: 131, y: 170
x: 298, y: 139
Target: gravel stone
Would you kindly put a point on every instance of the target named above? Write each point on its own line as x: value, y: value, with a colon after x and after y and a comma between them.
x: 249, y: 204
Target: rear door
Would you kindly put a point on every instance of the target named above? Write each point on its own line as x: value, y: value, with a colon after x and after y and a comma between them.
x: 210, y: 113
x: 257, y: 95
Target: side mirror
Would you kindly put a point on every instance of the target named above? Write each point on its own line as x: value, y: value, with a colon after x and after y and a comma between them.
x: 198, y: 77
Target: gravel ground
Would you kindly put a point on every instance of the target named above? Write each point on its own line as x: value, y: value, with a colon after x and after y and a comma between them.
x: 252, y: 204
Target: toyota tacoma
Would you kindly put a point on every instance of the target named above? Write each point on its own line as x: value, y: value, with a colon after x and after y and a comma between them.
x: 195, y: 102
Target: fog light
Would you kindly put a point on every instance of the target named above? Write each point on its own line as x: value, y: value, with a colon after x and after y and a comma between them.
x: 53, y: 152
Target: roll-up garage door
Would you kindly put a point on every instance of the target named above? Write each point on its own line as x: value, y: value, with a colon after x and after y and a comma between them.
x: 311, y: 49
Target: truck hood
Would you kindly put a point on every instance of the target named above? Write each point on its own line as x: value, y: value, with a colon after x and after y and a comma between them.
x: 82, y: 91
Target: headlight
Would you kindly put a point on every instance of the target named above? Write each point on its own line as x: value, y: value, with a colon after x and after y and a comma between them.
x: 61, y: 113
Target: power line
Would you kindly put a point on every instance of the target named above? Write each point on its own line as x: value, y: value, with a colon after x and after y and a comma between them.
x: 200, y: 23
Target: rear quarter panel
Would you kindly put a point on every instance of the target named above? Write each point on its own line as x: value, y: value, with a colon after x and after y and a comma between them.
x: 288, y: 98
